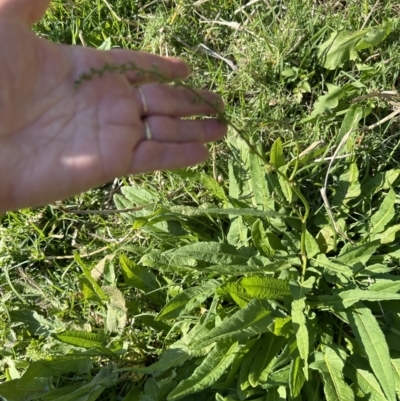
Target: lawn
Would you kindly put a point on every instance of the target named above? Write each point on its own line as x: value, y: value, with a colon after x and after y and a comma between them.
x: 269, y: 272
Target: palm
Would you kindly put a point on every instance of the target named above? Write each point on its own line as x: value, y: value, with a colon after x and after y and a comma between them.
x: 57, y: 140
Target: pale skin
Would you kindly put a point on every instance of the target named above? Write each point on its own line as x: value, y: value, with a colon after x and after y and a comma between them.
x: 57, y: 140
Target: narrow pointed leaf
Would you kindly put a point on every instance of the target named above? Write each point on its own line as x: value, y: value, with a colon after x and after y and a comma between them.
x: 262, y: 287
x: 277, y: 157
x: 210, y: 370
x: 373, y: 343
x: 384, y: 215
x: 262, y: 364
x: 330, y: 365
x: 249, y: 321
x: 187, y: 300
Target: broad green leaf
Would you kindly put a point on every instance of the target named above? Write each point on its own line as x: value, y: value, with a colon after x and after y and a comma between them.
x: 299, y: 291
x: 387, y: 286
x: 210, y: 370
x: 141, y: 278
x: 396, y: 372
x: 261, y: 194
x: 235, y: 270
x: 373, y: 343
x: 93, y: 284
x: 266, y: 242
x: 277, y: 394
x: 55, y: 367
x: 251, y: 356
x: 286, y: 188
x: 358, y: 370
x: 238, y: 232
x: 356, y: 257
x: 350, y: 121
x: 343, y: 46
x: 12, y: 391
x: 379, y: 182
x: 234, y: 372
x: 249, y: 321
x: 312, y: 247
x: 213, y: 187
x: 277, y: 158
x: 116, y: 310
x: 88, y: 392
x: 82, y: 339
x: 345, y: 299
x: 187, y: 300
x: 296, y: 377
x: 262, y: 287
x: 340, y: 47
x: 389, y: 235
x: 331, y: 266
x: 236, y: 292
x: 85, y: 340
x: 330, y: 365
x: 384, y: 215
x: 262, y: 364
x: 170, y: 358
x: 210, y: 252
x: 348, y: 187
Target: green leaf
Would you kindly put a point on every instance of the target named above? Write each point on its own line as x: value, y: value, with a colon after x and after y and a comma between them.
x: 356, y: 257
x: 213, y: 187
x: 236, y: 292
x: 210, y: 370
x: 348, y: 187
x: 343, y: 46
x: 312, y: 247
x: 384, y: 215
x: 261, y: 194
x: 350, y: 121
x: 299, y: 291
x: 358, y: 370
x: 373, y: 343
x: 277, y: 158
x: 330, y: 364
x: 331, y: 266
x: 116, y: 310
x: 170, y: 358
x: 296, y: 377
x: 141, y: 278
x: 249, y: 321
x: 209, y: 252
x: 345, y: 299
x: 91, y: 283
x: 187, y: 300
x: 88, y: 392
x: 85, y: 340
x: 262, y: 287
x: 263, y: 363
x: 82, y: 339
x: 55, y: 367
x: 12, y: 391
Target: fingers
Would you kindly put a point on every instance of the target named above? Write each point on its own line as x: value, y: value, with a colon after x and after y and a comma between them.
x: 149, y: 67
x: 151, y: 156
x: 175, y: 101
x: 28, y: 11
x: 166, y: 129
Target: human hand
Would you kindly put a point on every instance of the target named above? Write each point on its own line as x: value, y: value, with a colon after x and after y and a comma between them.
x: 57, y: 140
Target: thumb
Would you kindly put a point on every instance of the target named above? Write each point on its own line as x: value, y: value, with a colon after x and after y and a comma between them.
x: 29, y: 11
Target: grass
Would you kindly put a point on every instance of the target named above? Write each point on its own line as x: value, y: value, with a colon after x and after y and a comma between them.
x: 263, y: 59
